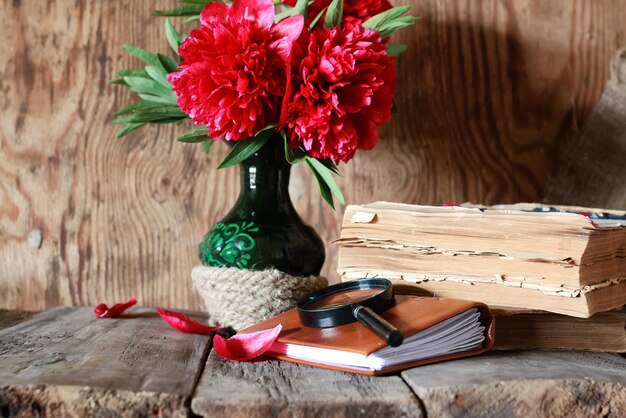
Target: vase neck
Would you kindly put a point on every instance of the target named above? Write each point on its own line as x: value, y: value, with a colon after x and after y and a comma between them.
x: 264, y: 182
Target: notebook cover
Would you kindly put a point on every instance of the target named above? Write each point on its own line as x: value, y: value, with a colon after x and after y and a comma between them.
x: 410, y: 315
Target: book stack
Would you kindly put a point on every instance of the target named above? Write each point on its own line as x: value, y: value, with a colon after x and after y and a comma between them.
x: 524, y: 329
x: 566, y: 261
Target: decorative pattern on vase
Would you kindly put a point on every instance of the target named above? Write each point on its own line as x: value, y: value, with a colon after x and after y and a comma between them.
x: 263, y: 230
x: 229, y: 244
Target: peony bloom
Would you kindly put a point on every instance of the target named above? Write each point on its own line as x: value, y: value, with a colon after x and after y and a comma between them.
x: 234, y: 70
x: 341, y: 89
x: 354, y: 11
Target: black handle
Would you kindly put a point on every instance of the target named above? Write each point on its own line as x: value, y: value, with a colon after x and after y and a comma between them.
x: 373, y: 321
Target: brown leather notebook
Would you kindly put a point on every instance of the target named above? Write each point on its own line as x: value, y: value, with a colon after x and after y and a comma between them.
x: 434, y: 330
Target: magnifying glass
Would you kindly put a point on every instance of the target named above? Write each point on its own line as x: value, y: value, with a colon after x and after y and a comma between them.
x: 357, y: 300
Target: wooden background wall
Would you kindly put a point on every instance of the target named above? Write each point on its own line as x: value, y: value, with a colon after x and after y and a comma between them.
x: 490, y: 93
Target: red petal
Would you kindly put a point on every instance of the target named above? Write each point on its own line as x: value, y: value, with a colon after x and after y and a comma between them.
x: 450, y: 204
x: 212, y: 11
x: 183, y: 323
x: 103, y: 311
x: 287, y: 31
x: 290, y: 27
x: 261, y: 11
x: 244, y: 347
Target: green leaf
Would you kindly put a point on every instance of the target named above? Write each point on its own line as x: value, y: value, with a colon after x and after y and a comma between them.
x: 133, y: 73
x: 181, y: 11
x: 389, y: 28
x: 329, y: 164
x: 293, y: 156
x: 244, y: 149
x: 148, y: 118
x: 128, y: 128
x: 376, y: 21
x: 137, y: 106
x: 394, y: 107
x: 158, y: 75
x: 149, y: 86
x: 176, y: 120
x: 315, y: 21
x: 128, y: 73
x: 389, y: 21
x: 324, y: 189
x: 301, y: 7
x: 395, y: 49
x: 282, y: 15
x: 196, y: 135
x: 142, y: 54
x: 142, y: 85
x: 206, y: 145
x: 173, y: 37
x: 334, y: 14
x: 168, y: 63
x: 148, y: 112
x: 327, y: 176
x: 172, y: 110
x: 191, y: 19
x: 152, y: 114
x: 158, y: 99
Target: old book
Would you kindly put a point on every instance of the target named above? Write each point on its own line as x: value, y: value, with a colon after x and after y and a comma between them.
x: 559, y: 261
x: 604, y: 331
x: 433, y: 329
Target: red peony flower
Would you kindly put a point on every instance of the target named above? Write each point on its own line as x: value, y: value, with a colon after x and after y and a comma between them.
x: 341, y: 89
x: 233, y: 75
x: 354, y: 11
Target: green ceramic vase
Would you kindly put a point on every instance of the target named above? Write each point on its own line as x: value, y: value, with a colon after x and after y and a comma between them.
x: 263, y: 229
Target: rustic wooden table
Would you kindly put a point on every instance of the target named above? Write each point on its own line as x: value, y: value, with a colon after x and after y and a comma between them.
x: 66, y: 363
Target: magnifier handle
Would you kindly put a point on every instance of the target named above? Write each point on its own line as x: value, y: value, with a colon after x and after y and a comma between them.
x: 373, y: 321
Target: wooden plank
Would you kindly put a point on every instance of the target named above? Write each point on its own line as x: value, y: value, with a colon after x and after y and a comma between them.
x: 271, y: 388
x: 524, y: 384
x: 488, y: 94
x: 489, y: 91
x: 593, y: 168
x: 9, y: 317
x: 108, y: 210
x: 65, y: 362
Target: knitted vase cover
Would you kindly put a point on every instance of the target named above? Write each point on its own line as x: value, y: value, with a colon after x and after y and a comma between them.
x: 241, y: 298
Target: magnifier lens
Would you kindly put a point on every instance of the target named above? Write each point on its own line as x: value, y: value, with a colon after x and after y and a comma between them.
x: 347, y: 302
x: 346, y: 297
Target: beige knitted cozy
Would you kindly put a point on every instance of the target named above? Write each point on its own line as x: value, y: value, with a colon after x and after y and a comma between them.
x: 241, y: 298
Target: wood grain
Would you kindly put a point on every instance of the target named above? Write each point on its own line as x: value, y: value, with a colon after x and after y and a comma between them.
x: 9, y: 318
x: 119, y: 218
x: 593, y: 167
x: 524, y: 384
x: 489, y: 93
x: 271, y: 388
x: 65, y: 362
